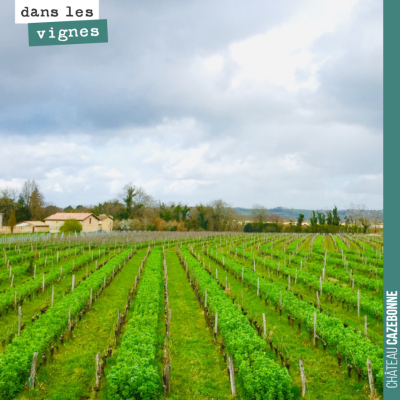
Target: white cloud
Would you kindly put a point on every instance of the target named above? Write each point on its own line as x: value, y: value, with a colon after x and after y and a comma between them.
x: 277, y: 55
x: 277, y: 103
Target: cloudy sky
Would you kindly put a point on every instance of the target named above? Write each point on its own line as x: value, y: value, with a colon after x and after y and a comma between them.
x: 259, y: 101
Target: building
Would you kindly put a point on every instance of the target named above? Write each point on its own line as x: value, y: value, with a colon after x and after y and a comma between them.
x: 31, y: 227
x: 106, y: 223
x: 89, y: 221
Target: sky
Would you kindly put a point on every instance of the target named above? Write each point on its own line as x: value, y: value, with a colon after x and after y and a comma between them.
x: 259, y: 101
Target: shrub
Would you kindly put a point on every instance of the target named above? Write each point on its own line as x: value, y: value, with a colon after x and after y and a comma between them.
x: 71, y: 225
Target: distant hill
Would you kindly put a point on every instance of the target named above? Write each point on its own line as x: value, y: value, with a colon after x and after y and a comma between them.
x: 287, y: 213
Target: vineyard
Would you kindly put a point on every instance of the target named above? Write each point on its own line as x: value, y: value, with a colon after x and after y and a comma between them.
x: 196, y: 315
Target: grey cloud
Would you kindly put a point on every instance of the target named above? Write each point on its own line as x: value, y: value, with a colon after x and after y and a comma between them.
x: 139, y: 105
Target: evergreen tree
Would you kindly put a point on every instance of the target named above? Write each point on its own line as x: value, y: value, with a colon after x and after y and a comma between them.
x: 336, y: 218
x: 22, y: 210
x: 321, y: 218
x: 300, y: 219
x: 329, y: 219
x: 313, y: 219
x: 12, y: 221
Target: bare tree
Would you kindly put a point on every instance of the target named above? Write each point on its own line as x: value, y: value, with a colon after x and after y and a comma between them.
x: 33, y: 198
x: 356, y: 212
x: 377, y: 218
x: 8, y: 198
x: 259, y: 213
x: 222, y: 215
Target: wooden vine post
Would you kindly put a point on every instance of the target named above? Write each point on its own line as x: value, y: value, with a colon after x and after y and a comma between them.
x: 370, y: 377
x: 73, y: 283
x: 33, y: 371
x: 232, y: 376
x: 320, y: 284
x: 303, y: 378
x: 19, y: 320
x: 264, y: 327
x: 98, y: 372
x: 315, y: 326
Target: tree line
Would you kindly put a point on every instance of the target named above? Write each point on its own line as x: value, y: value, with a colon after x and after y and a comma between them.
x: 357, y: 220
x: 135, y: 209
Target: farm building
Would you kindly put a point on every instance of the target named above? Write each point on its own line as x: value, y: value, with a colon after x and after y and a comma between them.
x: 31, y: 227
x: 106, y: 223
x: 89, y: 221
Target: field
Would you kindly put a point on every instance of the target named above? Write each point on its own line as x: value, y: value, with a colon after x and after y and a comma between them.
x: 191, y: 316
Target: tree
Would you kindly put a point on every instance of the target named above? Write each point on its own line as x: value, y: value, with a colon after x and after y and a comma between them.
x: 37, y: 205
x: 321, y: 218
x: 336, y: 218
x: 329, y: 218
x: 313, y: 219
x: 176, y: 213
x: 274, y: 218
x: 377, y: 218
x: 110, y: 207
x: 22, y: 211
x: 127, y: 196
x: 7, y: 202
x: 71, y: 225
x: 356, y: 211
x: 32, y: 197
x: 259, y: 213
x: 365, y: 223
x: 50, y: 210
x: 185, y: 212
x: 12, y: 221
x: 202, y: 217
x: 300, y: 220
x: 138, y: 205
x: 222, y: 215
x: 199, y: 218
x: 166, y: 212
